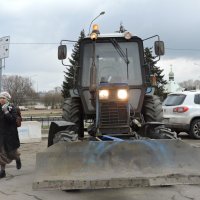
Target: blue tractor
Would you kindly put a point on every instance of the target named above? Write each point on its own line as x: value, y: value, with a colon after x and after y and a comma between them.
x: 113, y: 89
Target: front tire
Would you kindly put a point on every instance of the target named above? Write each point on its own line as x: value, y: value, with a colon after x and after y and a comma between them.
x: 66, y: 136
x: 195, y: 129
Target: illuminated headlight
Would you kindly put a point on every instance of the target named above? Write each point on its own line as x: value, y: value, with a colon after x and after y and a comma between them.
x: 93, y: 36
x: 103, y: 94
x: 122, y: 94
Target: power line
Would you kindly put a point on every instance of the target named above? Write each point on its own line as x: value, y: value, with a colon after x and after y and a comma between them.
x: 57, y: 43
x: 41, y: 43
x: 174, y: 49
x: 35, y: 43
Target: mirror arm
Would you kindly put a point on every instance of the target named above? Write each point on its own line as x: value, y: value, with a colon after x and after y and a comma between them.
x: 61, y: 42
x: 152, y: 37
x: 157, y: 59
x: 65, y: 64
x: 158, y: 40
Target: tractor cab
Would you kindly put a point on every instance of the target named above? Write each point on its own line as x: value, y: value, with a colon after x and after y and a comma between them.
x: 116, y: 59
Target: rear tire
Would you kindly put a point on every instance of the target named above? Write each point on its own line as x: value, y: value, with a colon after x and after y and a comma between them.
x: 152, y: 109
x: 195, y: 129
x: 73, y: 112
x: 153, y: 112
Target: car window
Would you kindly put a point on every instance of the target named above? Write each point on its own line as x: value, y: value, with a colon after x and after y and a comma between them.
x: 174, y: 100
x: 197, y: 99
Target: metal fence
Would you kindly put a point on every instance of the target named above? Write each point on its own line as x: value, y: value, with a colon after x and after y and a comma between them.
x: 46, y: 121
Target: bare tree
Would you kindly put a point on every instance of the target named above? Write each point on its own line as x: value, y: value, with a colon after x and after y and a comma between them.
x: 197, y: 84
x: 190, y: 84
x: 19, y: 87
x: 53, y: 99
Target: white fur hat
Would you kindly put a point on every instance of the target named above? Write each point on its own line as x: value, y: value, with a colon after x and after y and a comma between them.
x: 5, y: 95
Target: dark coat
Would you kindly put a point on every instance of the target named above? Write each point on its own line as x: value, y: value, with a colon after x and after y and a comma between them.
x: 8, y: 129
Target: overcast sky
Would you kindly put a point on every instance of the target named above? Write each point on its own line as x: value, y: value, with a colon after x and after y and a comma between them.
x: 48, y: 21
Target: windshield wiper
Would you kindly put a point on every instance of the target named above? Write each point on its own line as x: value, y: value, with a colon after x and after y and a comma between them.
x: 120, y: 50
x: 122, y: 54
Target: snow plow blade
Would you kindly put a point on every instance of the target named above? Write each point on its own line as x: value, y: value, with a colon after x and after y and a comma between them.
x: 105, y: 164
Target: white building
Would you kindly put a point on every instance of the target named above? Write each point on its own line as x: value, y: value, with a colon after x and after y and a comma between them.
x: 171, y: 85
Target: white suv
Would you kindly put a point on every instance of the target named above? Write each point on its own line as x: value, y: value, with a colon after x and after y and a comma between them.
x: 181, y: 112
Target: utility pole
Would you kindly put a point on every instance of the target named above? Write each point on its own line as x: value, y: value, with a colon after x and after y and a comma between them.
x: 4, y: 53
x: 1, y: 66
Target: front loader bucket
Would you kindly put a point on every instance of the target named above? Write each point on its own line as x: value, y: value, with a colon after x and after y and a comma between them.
x: 137, y: 163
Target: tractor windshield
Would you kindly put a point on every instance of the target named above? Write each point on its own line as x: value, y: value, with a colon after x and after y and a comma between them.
x: 111, y: 67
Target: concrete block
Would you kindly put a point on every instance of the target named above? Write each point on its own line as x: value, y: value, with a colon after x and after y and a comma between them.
x: 30, y: 131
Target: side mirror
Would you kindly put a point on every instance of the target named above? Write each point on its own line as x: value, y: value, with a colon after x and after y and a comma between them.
x: 62, y: 52
x: 159, y: 48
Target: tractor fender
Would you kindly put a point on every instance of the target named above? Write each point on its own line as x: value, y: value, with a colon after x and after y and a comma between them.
x: 55, y: 127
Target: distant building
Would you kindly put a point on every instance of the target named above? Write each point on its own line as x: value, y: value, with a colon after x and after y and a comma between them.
x: 171, y: 85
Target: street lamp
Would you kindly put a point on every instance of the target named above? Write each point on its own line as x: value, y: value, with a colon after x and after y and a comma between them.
x: 102, y: 13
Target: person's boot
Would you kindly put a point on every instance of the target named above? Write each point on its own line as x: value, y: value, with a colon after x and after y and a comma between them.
x: 2, y: 173
x: 18, y: 163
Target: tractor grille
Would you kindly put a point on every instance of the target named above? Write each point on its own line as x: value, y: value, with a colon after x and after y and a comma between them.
x: 113, y: 113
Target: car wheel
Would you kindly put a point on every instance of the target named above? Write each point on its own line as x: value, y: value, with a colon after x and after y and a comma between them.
x: 195, y: 129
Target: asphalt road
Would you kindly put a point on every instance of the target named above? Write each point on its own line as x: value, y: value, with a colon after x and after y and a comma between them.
x: 18, y: 184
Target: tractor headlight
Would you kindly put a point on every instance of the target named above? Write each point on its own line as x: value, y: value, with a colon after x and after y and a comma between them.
x: 103, y: 94
x: 122, y: 94
x: 93, y: 36
x: 127, y: 35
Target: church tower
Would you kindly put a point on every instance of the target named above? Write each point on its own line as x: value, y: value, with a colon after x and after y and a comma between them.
x: 171, y: 74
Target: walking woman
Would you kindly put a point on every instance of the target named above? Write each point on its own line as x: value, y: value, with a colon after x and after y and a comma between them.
x: 9, y: 139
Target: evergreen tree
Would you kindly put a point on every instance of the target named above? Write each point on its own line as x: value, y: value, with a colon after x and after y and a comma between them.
x: 70, y: 72
x: 154, y: 70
